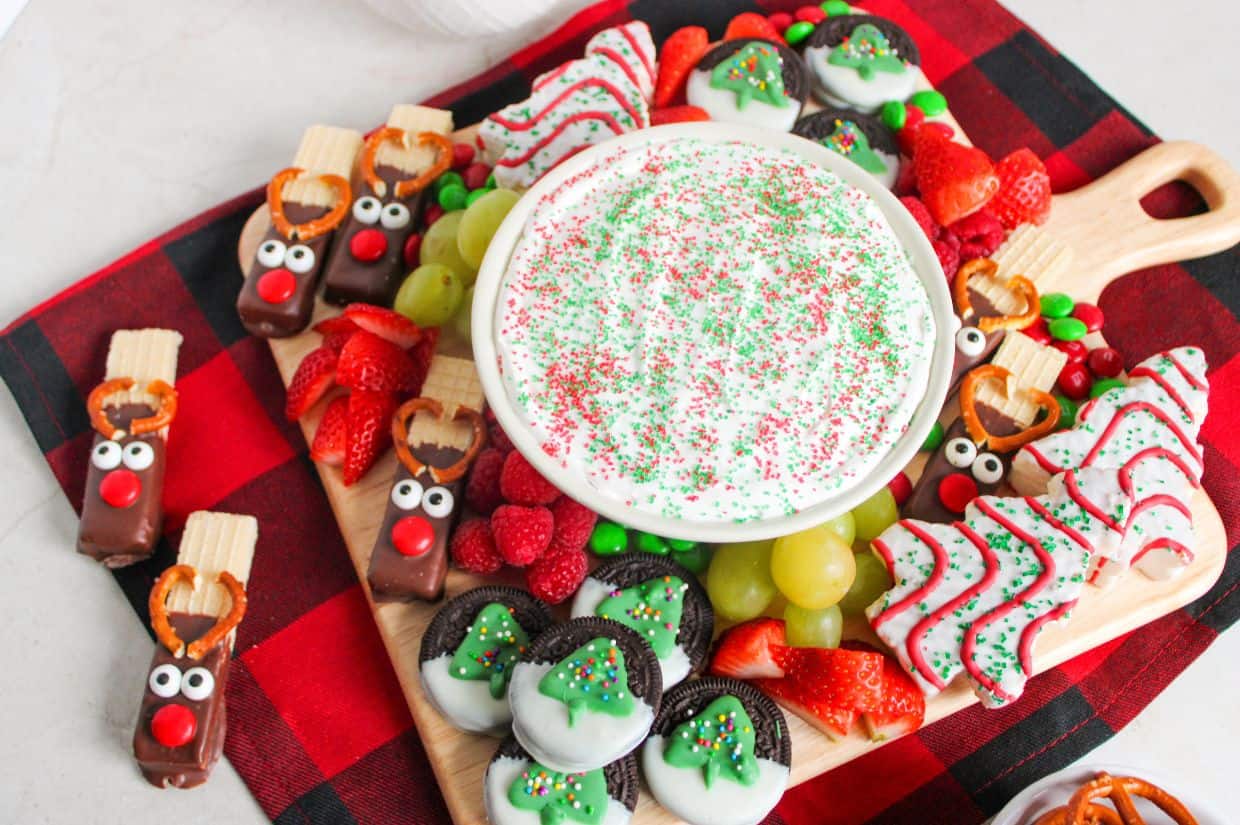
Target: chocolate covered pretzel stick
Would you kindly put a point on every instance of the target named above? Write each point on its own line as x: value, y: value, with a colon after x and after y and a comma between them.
x: 122, y: 509
x: 399, y: 160
x: 307, y: 201
x: 195, y: 608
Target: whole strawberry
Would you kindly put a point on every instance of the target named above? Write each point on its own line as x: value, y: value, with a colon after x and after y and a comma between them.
x: 954, y: 180
x: 520, y: 483
x: 482, y: 489
x: 1024, y: 194
x: 556, y: 576
x: 473, y: 547
x: 573, y: 524
x: 522, y: 534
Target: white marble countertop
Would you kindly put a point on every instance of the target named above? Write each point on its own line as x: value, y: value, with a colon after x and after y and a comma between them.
x: 122, y: 121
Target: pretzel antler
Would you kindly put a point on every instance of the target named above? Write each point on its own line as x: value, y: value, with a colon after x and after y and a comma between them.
x: 973, y: 422
x: 224, y: 625
x: 310, y: 229
x: 408, y: 186
x: 162, y: 418
x: 1017, y: 283
x: 400, y: 438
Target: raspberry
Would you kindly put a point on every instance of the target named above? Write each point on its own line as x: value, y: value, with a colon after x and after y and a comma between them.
x: 521, y: 533
x: 922, y: 215
x: 473, y: 547
x: 496, y: 436
x: 980, y: 235
x: 573, y: 525
x: 520, y: 483
x: 482, y: 490
x: 947, y: 247
x: 556, y: 576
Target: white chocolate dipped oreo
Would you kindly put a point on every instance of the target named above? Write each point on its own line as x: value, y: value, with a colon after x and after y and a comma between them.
x: 756, y: 82
x: 864, y: 139
x: 860, y: 62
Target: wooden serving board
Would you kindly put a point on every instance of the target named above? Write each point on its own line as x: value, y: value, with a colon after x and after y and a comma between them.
x: 1094, y: 235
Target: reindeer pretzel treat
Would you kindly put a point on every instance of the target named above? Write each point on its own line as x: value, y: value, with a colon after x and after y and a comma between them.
x: 195, y: 608
x: 307, y: 202
x: 130, y: 411
x: 988, y: 306
x: 1087, y: 806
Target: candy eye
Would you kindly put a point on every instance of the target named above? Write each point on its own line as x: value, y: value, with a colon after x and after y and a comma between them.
x: 165, y: 681
x: 407, y: 494
x: 271, y: 254
x: 139, y: 455
x: 197, y: 684
x: 988, y: 469
x: 970, y: 341
x: 300, y: 259
x: 960, y: 452
x: 395, y: 216
x: 437, y: 502
x: 106, y: 456
x: 366, y: 210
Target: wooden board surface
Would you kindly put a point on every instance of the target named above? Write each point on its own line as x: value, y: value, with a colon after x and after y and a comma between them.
x: 460, y: 759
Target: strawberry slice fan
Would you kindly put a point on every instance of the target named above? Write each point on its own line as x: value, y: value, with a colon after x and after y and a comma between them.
x: 336, y: 743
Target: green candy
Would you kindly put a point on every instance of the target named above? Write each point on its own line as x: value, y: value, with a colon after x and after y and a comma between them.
x: 608, y: 539
x: 650, y: 543
x: 696, y: 559
x: 475, y: 195
x: 453, y: 196
x: 894, y: 115
x: 835, y: 8
x: 491, y: 183
x: 798, y: 31
x: 447, y: 179
x: 1103, y: 384
x: 930, y: 102
x: 1057, y: 305
x: 680, y: 545
x: 1067, y: 329
x: 1067, y: 412
x: 933, y: 439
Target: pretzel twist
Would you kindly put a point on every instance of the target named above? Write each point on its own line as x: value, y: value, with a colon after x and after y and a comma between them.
x: 408, y: 186
x: 400, y: 438
x: 973, y: 422
x: 160, y: 623
x: 1017, y: 283
x: 313, y: 228
x: 162, y: 417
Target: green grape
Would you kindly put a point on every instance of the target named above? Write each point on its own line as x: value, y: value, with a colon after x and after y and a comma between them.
x: 739, y: 580
x: 813, y: 628
x: 875, y: 514
x: 439, y: 247
x: 430, y: 295
x: 872, y: 580
x: 462, y: 320
x: 812, y: 568
x: 480, y: 221
x: 695, y: 559
x: 843, y: 526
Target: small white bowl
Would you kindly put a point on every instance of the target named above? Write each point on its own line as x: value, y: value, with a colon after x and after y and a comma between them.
x: 925, y: 264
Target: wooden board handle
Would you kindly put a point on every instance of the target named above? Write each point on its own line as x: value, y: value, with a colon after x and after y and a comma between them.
x: 1112, y: 235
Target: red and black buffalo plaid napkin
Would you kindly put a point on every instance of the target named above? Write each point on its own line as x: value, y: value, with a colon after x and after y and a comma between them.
x: 317, y: 726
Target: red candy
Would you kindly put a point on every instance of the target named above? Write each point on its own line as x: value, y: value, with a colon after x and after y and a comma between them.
x: 173, y: 725
x: 433, y: 213
x: 1075, y: 381
x: 810, y: 14
x: 901, y: 488
x: 1089, y: 315
x: 412, y: 247
x: 906, y: 137
x: 276, y: 286
x: 368, y: 245
x: 413, y: 536
x: 120, y: 488
x: 1038, y: 331
x: 462, y: 155
x: 781, y: 20
x: 1105, y: 362
x: 1075, y: 350
x: 956, y: 491
x: 475, y: 175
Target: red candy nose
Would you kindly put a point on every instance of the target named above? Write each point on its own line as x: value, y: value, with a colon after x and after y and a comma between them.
x: 173, y: 725
x: 956, y: 491
x: 413, y: 536
x: 368, y: 245
x: 276, y: 286
x: 120, y: 488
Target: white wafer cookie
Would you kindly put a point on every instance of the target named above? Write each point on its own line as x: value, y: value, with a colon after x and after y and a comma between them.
x: 414, y: 120
x: 454, y: 383
x: 212, y: 543
x: 145, y: 355
x: 996, y: 291
x: 324, y: 150
x: 1030, y: 252
x: 1033, y: 367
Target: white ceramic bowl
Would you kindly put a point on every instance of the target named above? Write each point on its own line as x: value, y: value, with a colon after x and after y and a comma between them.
x: 925, y: 263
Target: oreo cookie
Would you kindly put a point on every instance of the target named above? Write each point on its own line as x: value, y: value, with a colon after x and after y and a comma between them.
x: 469, y: 650
x: 750, y: 81
x: 584, y: 694
x: 662, y: 601
x: 518, y: 790
x: 860, y: 61
x: 863, y: 139
x: 718, y: 752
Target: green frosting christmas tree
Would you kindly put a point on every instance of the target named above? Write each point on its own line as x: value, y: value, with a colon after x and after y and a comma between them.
x: 848, y: 140
x: 755, y: 72
x: 593, y: 679
x: 652, y: 608
x: 490, y: 649
x: 719, y: 740
x: 868, y: 51
x: 557, y: 797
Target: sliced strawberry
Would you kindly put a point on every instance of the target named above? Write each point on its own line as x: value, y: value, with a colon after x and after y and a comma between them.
x: 856, y: 679
x: 386, y: 323
x: 678, y: 114
x: 369, y: 362
x: 680, y: 54
x: 903, y: 706
x: 315, y: 375
x: 367, y: 431
x: 753, y: 650
x: 337, y: 323
x: 749, y: 25
x: 954, y: 180
x: 1024, y: 190
x: 831, y: 720
x: 329, y: 438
